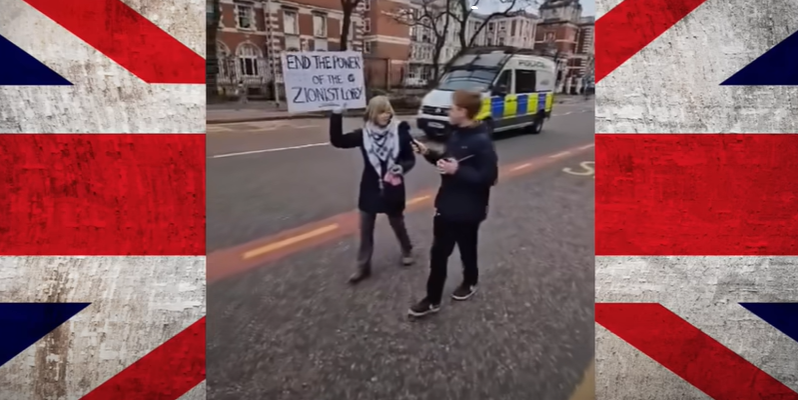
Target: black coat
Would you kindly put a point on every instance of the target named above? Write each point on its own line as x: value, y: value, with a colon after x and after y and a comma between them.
x: 391, y: 199
x: 464, y: 196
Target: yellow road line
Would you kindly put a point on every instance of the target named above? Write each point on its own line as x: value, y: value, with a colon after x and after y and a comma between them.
x: 586, y: 390
x: 289, y: 241
x: 418, y: 199
x: 558, y: 155
x: 522, y: 166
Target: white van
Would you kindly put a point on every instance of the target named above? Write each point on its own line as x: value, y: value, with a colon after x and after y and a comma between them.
x: 517, y: 90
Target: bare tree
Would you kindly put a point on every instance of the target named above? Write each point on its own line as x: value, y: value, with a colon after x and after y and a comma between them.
x: 464, y: 12
x: 434, y: 18
x: 348, y: 7
x: 467, y: 9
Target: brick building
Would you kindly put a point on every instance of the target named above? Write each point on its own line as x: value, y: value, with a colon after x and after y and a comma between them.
x: 386, y: 42
x: 570, y: 36
x: 516, y: 29
x: 254, y: 33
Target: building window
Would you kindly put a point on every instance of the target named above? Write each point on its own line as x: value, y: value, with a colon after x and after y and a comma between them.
x: 319, y: 25
x: 226, y: 63
x: 290, y: 22
x: 248, y: 58
x: 292, y: 42
x: 367, y: 47
x: 244, y: 16
x: 525, y: 81
x: 366, y: 25
x: 549, y: 37
x: 366, y: 5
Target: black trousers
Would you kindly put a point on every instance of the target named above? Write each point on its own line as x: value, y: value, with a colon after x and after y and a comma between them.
x: 367, y: 225
x: 447, y: 234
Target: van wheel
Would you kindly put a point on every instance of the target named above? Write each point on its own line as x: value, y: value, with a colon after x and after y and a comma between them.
x: 489, y: 127
x: 537, y: 127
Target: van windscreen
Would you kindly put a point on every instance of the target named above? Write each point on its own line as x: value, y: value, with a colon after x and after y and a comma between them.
x: 477, y: 80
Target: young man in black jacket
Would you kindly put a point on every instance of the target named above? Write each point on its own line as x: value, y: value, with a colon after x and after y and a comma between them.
x: 469, y: 168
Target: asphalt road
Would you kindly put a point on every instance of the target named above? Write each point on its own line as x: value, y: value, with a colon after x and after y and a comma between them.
x: 292, y: 329
x: 266, y: 177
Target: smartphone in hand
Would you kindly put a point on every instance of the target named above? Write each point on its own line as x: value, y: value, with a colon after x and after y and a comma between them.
x: 419, y: 147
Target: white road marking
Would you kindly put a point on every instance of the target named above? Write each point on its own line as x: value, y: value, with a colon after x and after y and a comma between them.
x: 244, y: 153
x: 587, y: 147
x: 217, y: 129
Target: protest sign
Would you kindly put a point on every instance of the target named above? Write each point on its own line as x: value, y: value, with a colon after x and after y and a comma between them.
x: 323, y: 80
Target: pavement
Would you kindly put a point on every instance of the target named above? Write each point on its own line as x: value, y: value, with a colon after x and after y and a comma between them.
x: 283, y: 323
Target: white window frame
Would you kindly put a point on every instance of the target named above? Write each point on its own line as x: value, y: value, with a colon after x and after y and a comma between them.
x: 366, y: 25
x: 318, y: 43
x: 253, y: 55
x: 295, y: 25
x: 323, y: 29
x: 239, y: 7
x: 366, y: 5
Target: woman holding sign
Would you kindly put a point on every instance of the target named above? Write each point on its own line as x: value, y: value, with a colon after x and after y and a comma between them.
x: 385, y: 145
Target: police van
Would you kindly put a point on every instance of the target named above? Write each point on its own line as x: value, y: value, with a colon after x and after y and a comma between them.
x: 517, y: 91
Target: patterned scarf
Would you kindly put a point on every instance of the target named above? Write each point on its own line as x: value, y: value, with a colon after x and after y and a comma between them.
x: 382, y: 147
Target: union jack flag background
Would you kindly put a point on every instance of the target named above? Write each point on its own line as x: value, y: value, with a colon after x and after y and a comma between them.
x: 102, y: 232
x: 696, y: 201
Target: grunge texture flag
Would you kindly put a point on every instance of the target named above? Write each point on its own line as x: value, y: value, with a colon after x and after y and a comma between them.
x: 102, y: 199
x: 697, y: 199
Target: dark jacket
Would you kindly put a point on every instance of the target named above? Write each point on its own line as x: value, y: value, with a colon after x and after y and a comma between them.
x: 464, y: 196
x: 391, y: 199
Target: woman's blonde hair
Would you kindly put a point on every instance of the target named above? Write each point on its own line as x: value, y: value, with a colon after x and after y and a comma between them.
x: 377, y: 105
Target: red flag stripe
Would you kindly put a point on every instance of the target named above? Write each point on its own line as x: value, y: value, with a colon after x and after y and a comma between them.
x: 689, y: 353
x: 102, y: 195
x: 692, y: 195
x: 632, y: 25
x: 166, y: 373
x: 126, y: 37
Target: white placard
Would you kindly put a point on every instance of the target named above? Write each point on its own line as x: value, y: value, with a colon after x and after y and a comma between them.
x: 323, y: 80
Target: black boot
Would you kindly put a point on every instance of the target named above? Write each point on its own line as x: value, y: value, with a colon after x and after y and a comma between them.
x: 361, y: 274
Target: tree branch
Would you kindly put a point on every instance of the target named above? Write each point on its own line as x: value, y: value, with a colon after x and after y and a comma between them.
x: 347, y: 7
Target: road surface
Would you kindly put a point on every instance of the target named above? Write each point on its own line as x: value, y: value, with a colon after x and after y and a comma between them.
x: 283, y: 323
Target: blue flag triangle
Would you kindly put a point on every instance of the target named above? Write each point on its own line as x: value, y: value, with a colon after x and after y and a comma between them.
x: 777, y: 67
x: 23, y: 324
x: 20, y: 68
x: 783, y: 316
